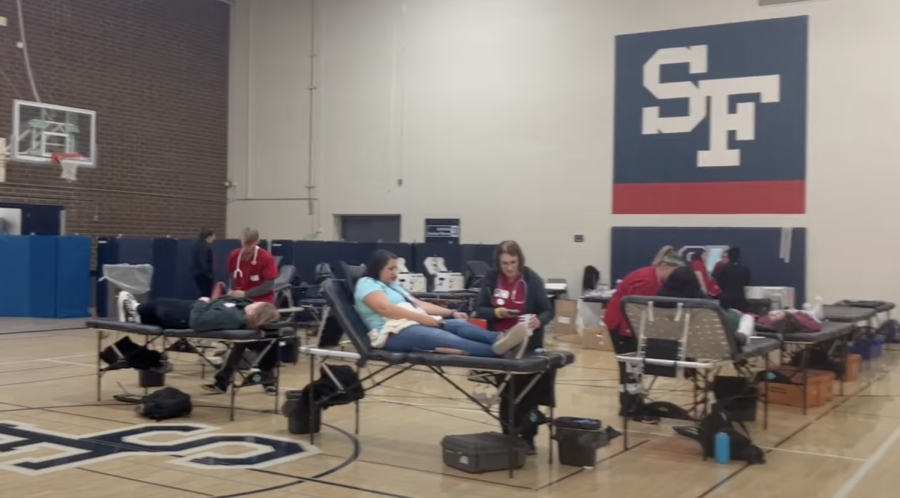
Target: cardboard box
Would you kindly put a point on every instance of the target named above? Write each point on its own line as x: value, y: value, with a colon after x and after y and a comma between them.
x: 820, y: 388
x: 854, y: 365
x: 597, y: 339
x: 566, y: 315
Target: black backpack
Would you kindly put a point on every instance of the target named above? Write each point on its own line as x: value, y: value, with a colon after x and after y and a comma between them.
x: 742, y: 448
x: 164, y: 404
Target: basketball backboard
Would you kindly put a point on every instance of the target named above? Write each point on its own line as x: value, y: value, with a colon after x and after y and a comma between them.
x: 41, y: 130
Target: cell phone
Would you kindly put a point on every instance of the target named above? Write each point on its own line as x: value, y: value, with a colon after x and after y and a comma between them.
x: 514, y: 312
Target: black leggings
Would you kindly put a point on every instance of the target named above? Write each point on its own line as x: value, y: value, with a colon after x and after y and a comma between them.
x: 541, y: 394
x: 166, y: 313
x: 628, y: 403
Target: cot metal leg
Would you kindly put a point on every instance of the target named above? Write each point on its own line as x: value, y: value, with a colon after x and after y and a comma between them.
x: 312, y: 401
x: 804, y: 362
x: 234, y: 389
x: 513, y: 430
x: 277, y: 385
x: 845, y: 350
x: 99, y: 363
x: 356, y: 428
x: 147, y: 346
x: 551, y: 427
x: 765, y: 397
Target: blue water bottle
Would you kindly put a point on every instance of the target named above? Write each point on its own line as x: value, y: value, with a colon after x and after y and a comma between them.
x: 723, y: 448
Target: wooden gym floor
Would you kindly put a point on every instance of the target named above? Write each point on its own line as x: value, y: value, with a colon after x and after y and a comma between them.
x: 845, y: 450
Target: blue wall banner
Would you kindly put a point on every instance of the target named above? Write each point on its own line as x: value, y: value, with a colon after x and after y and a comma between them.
x: 712, y: 119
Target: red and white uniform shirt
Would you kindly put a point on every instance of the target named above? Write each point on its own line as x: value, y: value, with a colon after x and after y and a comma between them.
x: 250, y: 273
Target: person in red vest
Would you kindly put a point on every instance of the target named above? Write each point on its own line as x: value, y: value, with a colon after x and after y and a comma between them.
x: 253, y: 270
x: 253, y: 273
x: 645, y: 281
x: 707, y: 284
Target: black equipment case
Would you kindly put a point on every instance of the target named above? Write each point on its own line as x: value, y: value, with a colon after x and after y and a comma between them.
x: 485, y: 452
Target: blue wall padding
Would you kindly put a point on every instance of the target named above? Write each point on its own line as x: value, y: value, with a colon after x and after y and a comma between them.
x: 309, y: 253
x: 73, y: 277
x: 635, y: 247
x: 165, y: 254
x: 28, y: 276
x: 285, y: 249
x: 183, y: 286
x: 124, y: 250
x: 221, y: 250
x: 452, y: 254
x: 478, y: 252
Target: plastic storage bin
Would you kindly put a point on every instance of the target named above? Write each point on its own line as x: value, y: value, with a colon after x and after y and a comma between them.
x: 578, y: 439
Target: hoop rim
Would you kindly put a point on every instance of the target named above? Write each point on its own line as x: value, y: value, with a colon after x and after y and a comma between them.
x: 58, y: 158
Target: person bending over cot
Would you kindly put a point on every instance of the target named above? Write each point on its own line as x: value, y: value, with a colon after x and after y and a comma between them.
x: 641, y: 282
x: 205, y: 315
x: 401, y: 323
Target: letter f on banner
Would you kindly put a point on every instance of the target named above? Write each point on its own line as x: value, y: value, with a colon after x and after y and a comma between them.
x: 717, y: 91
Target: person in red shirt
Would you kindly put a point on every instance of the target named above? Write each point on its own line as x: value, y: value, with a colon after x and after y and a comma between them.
x: 253, y: 273
x: 253, y: 270
x: 514, y: 293
x: 698, y: 265
x: 642, y: 282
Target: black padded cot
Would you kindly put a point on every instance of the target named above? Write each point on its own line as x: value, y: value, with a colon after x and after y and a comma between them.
x: 832, y: 333
x: 340, y: 299
x: 182, y: 342
x: 848, y: 314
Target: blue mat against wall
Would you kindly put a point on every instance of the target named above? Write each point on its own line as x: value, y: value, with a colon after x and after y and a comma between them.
x: 761, y: 248
x: 285, y: 249
x: 73, y: 277
x: 28, y: 272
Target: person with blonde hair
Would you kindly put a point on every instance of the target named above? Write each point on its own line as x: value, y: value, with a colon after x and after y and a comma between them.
x: 645, y: 281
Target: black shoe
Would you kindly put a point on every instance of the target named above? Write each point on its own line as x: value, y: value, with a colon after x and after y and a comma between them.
x: 530, y: 448
x: 215, y: 388
x: 645, y: 419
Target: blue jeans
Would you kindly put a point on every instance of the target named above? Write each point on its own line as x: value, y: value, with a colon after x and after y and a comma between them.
x: 456, y: 334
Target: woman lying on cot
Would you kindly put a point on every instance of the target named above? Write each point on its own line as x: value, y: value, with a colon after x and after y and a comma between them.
x: 401, y: 323
x: 205, y: 315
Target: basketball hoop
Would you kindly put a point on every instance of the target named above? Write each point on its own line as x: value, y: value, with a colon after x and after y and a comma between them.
x: 69, y: 163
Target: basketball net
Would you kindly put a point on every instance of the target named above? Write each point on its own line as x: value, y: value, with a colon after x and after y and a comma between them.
x: 69, y: 164
x: 69, y: 170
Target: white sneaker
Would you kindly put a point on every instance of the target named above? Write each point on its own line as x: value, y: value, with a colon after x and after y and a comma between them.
x: 128, y: 306
x: 515, y: 336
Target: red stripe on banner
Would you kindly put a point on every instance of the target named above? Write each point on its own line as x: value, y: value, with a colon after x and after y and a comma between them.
x: 788, y: 197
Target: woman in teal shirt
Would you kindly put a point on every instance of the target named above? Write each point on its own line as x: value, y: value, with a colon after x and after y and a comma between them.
x: 401, y: 323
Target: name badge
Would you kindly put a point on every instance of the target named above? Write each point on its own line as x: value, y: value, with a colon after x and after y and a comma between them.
x: 501, y: 293
x: 254, y: 278
x: 229, y: 305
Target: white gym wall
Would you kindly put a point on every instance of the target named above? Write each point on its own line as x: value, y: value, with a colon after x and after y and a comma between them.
x: 500, y: 112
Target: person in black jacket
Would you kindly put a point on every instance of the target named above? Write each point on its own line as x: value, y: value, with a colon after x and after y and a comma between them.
x: 205, y: 315
x: 733, y: 278
x: 202, y: 264
x: 514, y: 292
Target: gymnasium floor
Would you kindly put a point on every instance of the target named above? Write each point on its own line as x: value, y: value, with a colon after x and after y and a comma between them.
x: 845, y: 450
